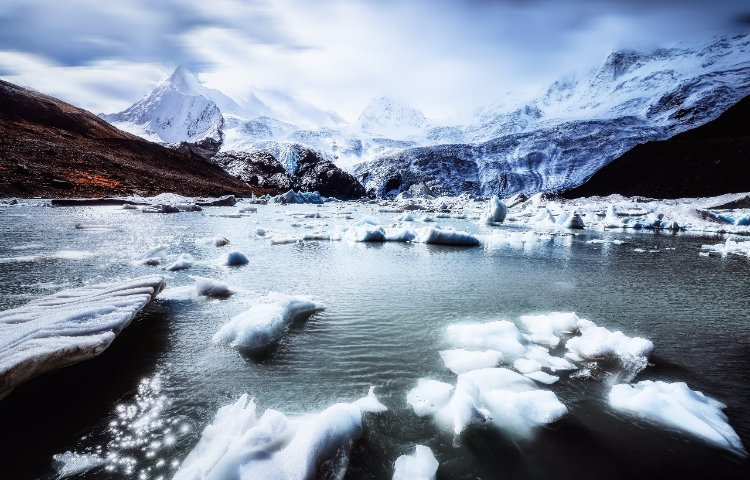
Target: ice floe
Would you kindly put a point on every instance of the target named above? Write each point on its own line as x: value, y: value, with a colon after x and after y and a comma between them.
x: 502, y: 336
x: 68, y: 327
x: 460, y: 360
x: 730, y: 246
x: 677, y: 406
x: 446, y: 237
x: 185, y: 260
x: 601, y: 344
x: 265, y: 322
x: 421, y: 465
x: 428, y: 396
x: 240, y: 445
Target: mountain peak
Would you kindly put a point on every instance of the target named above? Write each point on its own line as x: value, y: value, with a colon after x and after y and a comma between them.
x: 386, y: 115
x: 184, y: 80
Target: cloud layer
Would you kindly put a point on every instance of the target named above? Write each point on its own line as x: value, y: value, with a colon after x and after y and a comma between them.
x: 443, y: 56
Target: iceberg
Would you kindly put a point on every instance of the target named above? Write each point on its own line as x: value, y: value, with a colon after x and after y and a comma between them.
x: 185, y: 260
x: 365, y: 233
x: 446, y: 237
x: 68, y: 327
x: 677, y: 406
x: 495, y: 211
x: 422, y: 465
x: 600, y: 344
x: 265, y: 322
x: 234, y: 258
x: 465, y: 405
x: 399, y: 235
x: 239, y: 445
x: 574, y: 220
x: 405, y: 217
x: 460, y: 360
x: 210, y: 287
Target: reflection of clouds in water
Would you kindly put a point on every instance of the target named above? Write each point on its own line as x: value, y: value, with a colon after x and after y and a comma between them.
x: 136, y: 439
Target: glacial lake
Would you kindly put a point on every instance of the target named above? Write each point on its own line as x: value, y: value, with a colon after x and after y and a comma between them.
x: 387, y: 309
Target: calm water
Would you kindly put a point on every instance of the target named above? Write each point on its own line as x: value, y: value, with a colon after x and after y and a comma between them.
x: 387, y: 309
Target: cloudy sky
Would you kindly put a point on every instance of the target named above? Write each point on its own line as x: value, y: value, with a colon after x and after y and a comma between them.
x: 442, y: 56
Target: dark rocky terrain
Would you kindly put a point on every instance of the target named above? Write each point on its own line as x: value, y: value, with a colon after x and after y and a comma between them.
x: 49, y: 148
x: 709, y: 160
x: 312, y: 173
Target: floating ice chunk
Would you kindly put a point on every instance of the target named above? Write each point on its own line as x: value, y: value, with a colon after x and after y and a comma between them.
x: 184, y: 261
x: 366, y: 233
x: 217, y: 241
x: 446, y: 237
x: 555, y: 323
x: 460, y: 360
x: 210, y: 287
x: 68, y: 327
x: 502, y: 336
x: 537, y: 406
x: 261, y: 232
x: 428, y: 396
x: 156, y: 252
x: 544, y: 218
x: 399, y: 235
x: 237, y: 445
x: 495, y: 211
x: 422, y: 465
x: 542, y: 355
x: 730, y: 246
x: 465, y: 405
x: 366, y: 221
x: 248, y: 209
x: 639, y: 250
x: 574, y: 220
x: 598, y: 343
x: 677, y: 406
x: 234, y: 258
x: 543, y: 377
x: 127, y: 206
x: 284, y: 240
x: 427, y: 219
x: 405, y: 217
x: 71, y: 464
x: 265, y: 322
x: 742, y: 221
x: 525, y: 365
x: 370, y: 403
x: 487, y: 379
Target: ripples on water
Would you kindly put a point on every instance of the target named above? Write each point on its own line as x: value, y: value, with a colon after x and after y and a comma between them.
x: 140, y: 407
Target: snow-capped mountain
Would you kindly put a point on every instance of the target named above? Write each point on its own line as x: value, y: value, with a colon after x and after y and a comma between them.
x: 389, y: 118
x: 180, y: 109
x: 579, y: 125
x: 556, y: 141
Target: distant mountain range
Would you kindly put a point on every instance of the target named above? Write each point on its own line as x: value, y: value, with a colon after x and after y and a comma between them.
x: 555, y: 142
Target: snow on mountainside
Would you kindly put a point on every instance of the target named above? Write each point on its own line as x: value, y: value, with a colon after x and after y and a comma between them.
x: 180, y: 109
x: 553, y: 142
x: 389, y: 118
x: 579, y: 125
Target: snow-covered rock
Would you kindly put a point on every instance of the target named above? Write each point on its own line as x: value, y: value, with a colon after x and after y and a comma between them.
x: 676, y: 406
x: 265, y: 322
x: 68, y: 327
